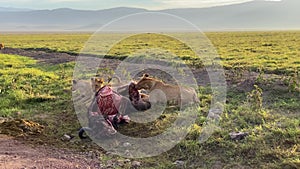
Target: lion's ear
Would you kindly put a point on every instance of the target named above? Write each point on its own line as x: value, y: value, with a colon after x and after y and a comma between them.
x: 145, y: 75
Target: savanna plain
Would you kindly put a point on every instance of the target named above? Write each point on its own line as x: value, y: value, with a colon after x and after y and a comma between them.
x: 262, y: 71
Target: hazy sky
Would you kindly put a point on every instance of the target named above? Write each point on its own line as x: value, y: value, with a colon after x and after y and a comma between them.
x: 104, y: 4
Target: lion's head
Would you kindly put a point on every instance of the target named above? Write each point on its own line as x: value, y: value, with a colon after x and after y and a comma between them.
x: 146, y: 82
x: 1, y: 46
x: 97, y: 83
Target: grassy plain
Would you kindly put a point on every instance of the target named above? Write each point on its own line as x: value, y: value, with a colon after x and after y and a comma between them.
x: 275, y: 52
x: 269, y: 113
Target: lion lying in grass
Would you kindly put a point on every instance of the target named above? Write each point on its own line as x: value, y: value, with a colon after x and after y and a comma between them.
x: 166, y: 92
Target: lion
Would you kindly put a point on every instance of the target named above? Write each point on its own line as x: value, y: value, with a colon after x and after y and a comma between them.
x: 173, y: 94
x: 1, y: 46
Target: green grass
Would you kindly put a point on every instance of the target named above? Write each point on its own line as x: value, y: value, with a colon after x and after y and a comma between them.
x: 72, y: 43
x: 42, y: 93
x: 275, y: 52
x: 31, y: 89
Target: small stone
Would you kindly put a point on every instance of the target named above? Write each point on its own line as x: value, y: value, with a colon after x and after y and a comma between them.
x: 238, y: 135
x: 66, y: 137
x: 126, y: 144
x: 136, y: 164
x: 108, y: 153
x: 127, y: 161
x: 178, y: 163
x: 120, y: 163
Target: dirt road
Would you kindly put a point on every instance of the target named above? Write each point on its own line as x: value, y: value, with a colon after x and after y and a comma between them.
x: 15, y: 154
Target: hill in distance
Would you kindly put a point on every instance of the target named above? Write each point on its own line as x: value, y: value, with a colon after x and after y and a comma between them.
x: 254, y: 15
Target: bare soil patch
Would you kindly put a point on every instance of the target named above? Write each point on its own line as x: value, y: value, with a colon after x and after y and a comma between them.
x: 15, y: 154
x: 42, y: 56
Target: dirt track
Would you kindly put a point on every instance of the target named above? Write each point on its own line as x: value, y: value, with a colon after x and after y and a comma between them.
x: 15, y: 154
x: 41, y: 55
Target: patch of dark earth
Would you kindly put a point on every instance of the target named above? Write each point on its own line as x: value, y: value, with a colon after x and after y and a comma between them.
x: 15, y: 154
x: 241, y: 81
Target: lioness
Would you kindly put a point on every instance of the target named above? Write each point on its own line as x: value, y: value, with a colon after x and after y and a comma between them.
x: 85, y: 90
x: 166, y: 92
x: 1, y: 46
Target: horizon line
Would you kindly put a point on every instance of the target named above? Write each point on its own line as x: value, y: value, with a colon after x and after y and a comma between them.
x: 17, y: 9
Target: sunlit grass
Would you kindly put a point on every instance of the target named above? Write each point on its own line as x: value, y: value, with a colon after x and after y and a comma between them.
x: 276, y: 52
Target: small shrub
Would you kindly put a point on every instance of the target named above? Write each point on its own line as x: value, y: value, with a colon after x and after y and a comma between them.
x: 294, y: 82
x: 254, y: 99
